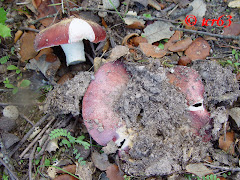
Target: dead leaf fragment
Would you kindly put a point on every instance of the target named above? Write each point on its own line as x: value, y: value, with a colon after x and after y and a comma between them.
x: 233, y: 29
x: 198, y: 169
x: 199, y: 49
x: 175, y: 37
x: 18, y: 34
x: 27, y: 50
x: 184, y: 61
x: 100, y: 160
x: 65, y: 78
x: 118, y: 52
x: 134, y: 23
x: 199, y: 9
x: 157, y: 31
x: 127, y: 38
x: 228, y: 144
x: 234, y: 4
x: 235, y: 114
x: 113, y: 173
x: 151, y: 50
x: 181, y: 45
x: 65, y: 177
x: 52, y: 145
x: 85, y: 172
x: 137, y: 40
x: 69, y: 168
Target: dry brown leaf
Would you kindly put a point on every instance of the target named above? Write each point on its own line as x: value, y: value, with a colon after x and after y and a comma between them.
x: 151, y: 50
x: 44, y: 51
x: 18, y: 34
x: 27, y: 50
x: 137, y: 40
x: 100, y: 160
x: 127, y: 37
x: 233, y: 29
x: 65, y: 78
x: 98, y: 62
x: 69, y: 168
x: 184, y: 61
x: 199, y: 49
x: 113, y: 173
x: 36, y: 3
x: 85, y: 172
x: 65, y: 177
x: 175, y: 37
x: 181, y: 3
x: 198, y: 169
x: 181, y: 45
x: 234, y: 4
x: 118, y: 52
x: 228, y: 144
x: 134, y: 23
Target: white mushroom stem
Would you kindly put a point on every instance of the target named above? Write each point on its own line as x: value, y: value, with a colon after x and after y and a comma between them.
x: 74, y: 52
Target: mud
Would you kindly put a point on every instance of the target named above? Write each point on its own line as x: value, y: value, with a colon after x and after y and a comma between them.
x: 156, y: 110
x: 65, y: 99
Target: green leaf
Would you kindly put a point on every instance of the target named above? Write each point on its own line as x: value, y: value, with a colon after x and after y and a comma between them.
x: 78, y: 155
x: 236, y: 56
x: 64, y: 141
x: 234, y: 51
x: 147, y: 15
x: 5, y: 31
x: 47, y: 162
x: 161, y: 46
x: 9, y: 86
x: 39, y: 149
x: 229, y: 62
x: 12, y: 67
x: 25, y: 83
x: 18, y: 71
x: 3, y: 16
x: 36, y: 161
x: 15, y: 90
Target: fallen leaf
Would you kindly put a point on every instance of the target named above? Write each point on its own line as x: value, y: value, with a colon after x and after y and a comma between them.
x: 157, y: 31
x: 36, y: 3
x: 100, y: 160
x: 69, y: 168
x: 181, y: 45
x: 143, y: 2
x: 181, y: 3
x: 27, y: 50
x: 175, y: 37
x: 233, y: 29
x: 18, y: 34
x: 228, y: 144
x: 34, y: 133
x: 184, y: 61
x: 85, y: 172
x: 126, y: 39
x: 199, y: 49
x: 234, y: 4
x: 111, y: 148
x: 199, y: 9
x: 134, y: 23
x: 118, y: 52
x: 52, y: 172
x: 137, y: 40
x: 235, y: 114
x: 65, y: 177
x: 98, y: 62
x: 155, y: 4
x: 52, y: 145
x: 198, y: 169
x: 65, y: 78
x: 113, y: 173
x: 151, y: 50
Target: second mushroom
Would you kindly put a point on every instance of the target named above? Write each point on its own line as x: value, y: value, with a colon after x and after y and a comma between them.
x: 69, y: 33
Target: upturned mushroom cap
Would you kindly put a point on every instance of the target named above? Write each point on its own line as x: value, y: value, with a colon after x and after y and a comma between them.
x: 69, y: 31
x: 102, y: 122
x: 189, y: 82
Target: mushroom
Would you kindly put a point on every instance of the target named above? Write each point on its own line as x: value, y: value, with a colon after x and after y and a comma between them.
x: 190, y: 84
x: 69, y: 33
x: 102, y: 122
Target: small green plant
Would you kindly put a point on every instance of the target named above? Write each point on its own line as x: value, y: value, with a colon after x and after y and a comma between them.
x: 207, y: 177
x: 24, y: 83
x: 5, y: 177
x: 161, y: 46
x: 147, y: 15
x: 4, y: 30
x: 70, y: 141
x: 236, y: 54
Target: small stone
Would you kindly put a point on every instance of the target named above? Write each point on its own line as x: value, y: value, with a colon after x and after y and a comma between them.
x: 108, y: 5
x: 7, y: 124
x: 11, y: 112
x: 9, y: 139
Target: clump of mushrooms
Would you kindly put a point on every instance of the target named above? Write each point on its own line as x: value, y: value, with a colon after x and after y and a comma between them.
x: 69, y: 33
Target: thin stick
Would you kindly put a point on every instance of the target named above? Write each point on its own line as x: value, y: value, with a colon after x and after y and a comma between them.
x: 26, y: 118
x: 28, y: 134
x: 29, y: 29
x: 30, y: 162
x: 36, y: 138
x: 8, y: 168
x: 205, y: 33
x: 223, y: 168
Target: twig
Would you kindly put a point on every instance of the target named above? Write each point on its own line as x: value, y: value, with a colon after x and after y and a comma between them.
x: 29, y: 29
x: 26, y: 118
x: 205, y: 33
x: 28, y: 134
x: 104, y: 10
x: 36, y: 138
x: 8, y: 168
x: 223, y: 168
x: 30, y: 162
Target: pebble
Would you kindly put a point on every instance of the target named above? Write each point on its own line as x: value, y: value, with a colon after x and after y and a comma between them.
x: 7, y: 124
x: 9, y: 139
x: 108, y: 5
x: 11, y: 112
